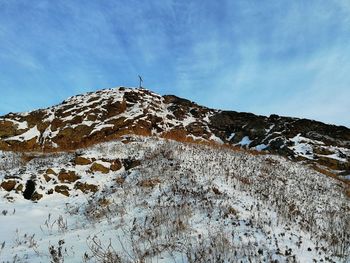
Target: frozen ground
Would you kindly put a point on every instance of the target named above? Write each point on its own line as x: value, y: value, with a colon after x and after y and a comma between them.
x: 177, y: 203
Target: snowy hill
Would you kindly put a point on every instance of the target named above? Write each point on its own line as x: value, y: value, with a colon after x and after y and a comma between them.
x: 105, y: 115
x: 145, y: 199
x: 127, y: 175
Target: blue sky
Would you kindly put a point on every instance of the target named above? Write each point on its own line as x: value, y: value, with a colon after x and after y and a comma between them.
x: 286, y: 57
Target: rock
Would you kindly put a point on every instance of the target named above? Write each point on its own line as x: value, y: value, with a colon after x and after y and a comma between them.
x: 30, y: 189
x: 97, y: 167
x: 50, y: 171
x: 116, y: 165
x: 216, y: 191
x: 36, y: 196
x: 8, y: 185
x: 19, y: 188
x: 79, y: 160
x: 149, y: 183
x: 47, y: 177
x: 62, y: 189
x: 85, y: 187
x: 131, y: 163
x: 67, y: 177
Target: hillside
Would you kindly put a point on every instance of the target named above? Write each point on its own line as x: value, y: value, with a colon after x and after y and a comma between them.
x: 142, y: 199
x: 126, y: 175
x: 105, y: 115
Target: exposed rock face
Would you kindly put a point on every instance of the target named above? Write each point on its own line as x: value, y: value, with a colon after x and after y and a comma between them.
x: 101, y: 116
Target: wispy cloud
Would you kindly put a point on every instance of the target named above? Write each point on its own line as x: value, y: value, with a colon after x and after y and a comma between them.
x: 284, y: 57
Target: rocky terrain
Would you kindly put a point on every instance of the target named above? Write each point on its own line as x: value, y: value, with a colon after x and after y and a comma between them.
x: 105, y: 115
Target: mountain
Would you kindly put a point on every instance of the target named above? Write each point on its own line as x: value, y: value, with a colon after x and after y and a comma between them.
x: 105, y: 115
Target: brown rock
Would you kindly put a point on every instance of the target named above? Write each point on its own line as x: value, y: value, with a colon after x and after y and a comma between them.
x: 62, y: 189
x: 97, y: 167
x: 79, y: 160
x: 116, y: 165
x: 50, y: 171
x: 8, y: 185
x: 85, y: 187
x: 68, y: 177
x: 36, y: 196
x: 47, y: 177
x: 149, y: 183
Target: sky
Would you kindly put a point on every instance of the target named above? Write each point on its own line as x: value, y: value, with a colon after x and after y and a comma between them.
x: 290, y: 58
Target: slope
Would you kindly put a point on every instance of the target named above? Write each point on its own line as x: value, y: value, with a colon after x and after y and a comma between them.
x: 164, y: 201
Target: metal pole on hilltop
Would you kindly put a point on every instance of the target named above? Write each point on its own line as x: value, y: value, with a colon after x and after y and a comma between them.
x: 141, y: 81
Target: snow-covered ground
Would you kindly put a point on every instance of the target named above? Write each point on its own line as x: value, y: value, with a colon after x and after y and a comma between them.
x: 179, y: 203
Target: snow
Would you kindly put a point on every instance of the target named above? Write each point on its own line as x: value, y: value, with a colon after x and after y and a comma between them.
x: 216, y: 139
x: 300, y: 139
x: 28, y: 135
x: 238, y: 218
x: 188, y: 120
x: 245, y: 141
x: 231, y: 136
x: 261, y: 147
x: 101, y: 127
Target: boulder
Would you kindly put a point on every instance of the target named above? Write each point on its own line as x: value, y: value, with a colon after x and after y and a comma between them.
x: 8, y: 185
x: 85, y: 187
x: 62, y: 189
x: 47, y: 177
x: 131, y: 163
x: 116, y: 165
x: 68, y: 177
x: 19, y: 188
x: 79, y: 160
x: 30, y: 189
x: 36, y: 196
x: 97, y: 167
x: 50, y: 171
